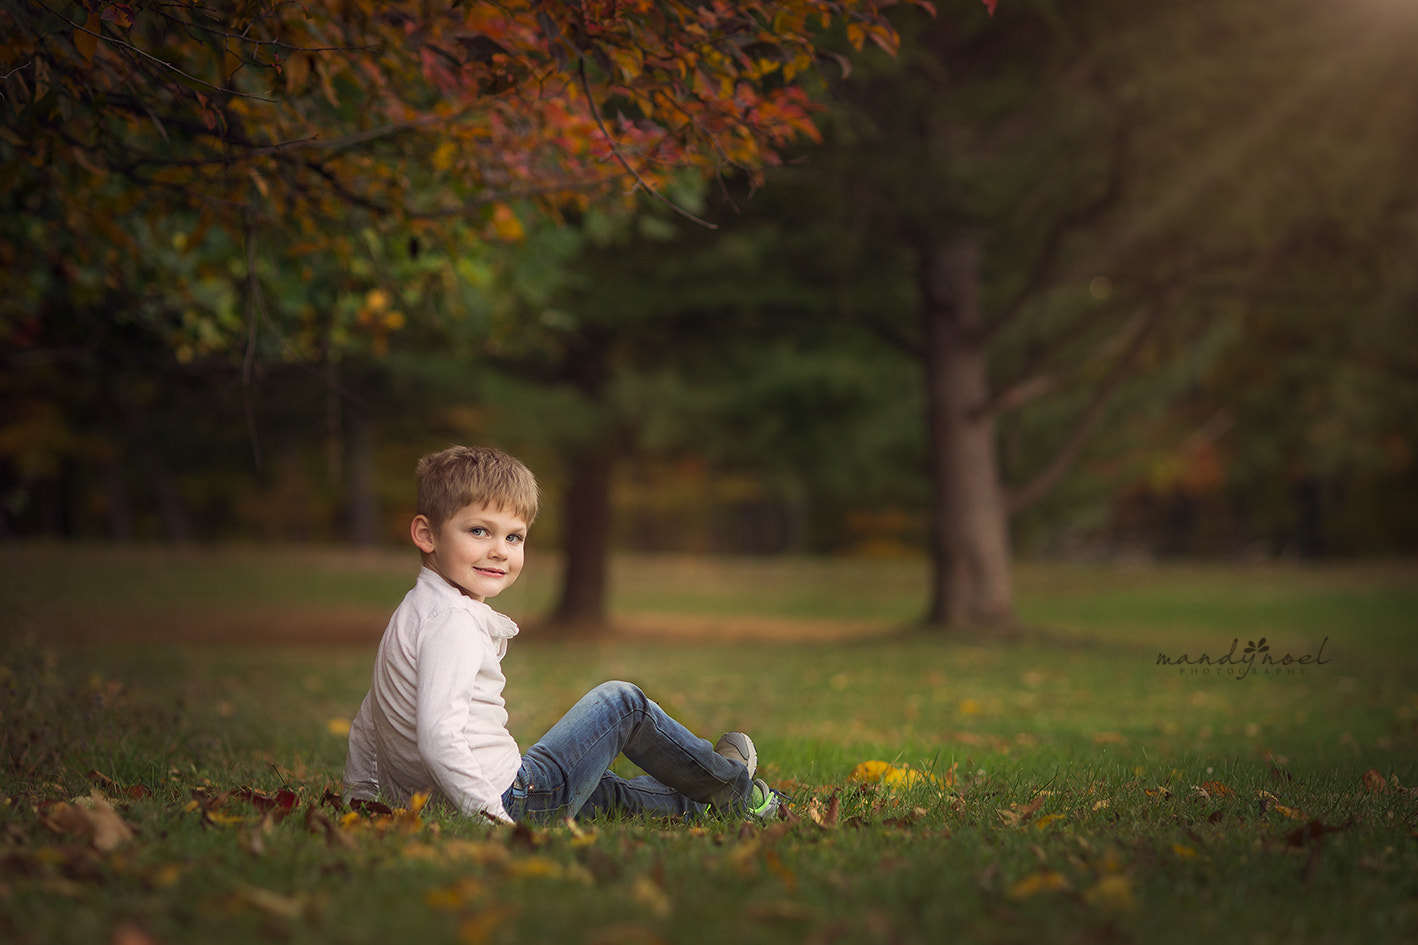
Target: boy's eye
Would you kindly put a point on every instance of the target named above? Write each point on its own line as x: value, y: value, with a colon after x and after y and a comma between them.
x: 477, y: 531
x: 516, y: 539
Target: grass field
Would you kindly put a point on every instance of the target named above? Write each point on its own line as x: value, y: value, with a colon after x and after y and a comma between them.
x: 1068, y: 787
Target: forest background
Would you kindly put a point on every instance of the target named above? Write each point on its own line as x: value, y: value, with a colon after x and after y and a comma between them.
x: 1099, y: 282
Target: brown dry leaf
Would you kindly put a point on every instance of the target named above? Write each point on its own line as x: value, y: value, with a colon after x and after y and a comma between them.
x: 1374, y: 782
x: 1314, y: 831
x: 828, y: 814
x: 317, y: 823
x: 91, y: 818
x: 781, y: 870
x: 1018, y: 814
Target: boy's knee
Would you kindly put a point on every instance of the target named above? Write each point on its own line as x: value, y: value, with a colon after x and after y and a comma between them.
x: 627, y: 694
x: 618, y: 689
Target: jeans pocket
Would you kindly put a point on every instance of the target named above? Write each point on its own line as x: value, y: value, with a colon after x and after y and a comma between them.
x: 514, y: 799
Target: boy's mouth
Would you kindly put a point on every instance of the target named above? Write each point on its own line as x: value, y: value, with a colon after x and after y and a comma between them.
x: 494, y: 572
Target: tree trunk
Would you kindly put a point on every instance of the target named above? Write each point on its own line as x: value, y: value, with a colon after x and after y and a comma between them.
x: 970, y: 522
x: 587, y: 525
x: 586, y: 540
x: 363, y: 502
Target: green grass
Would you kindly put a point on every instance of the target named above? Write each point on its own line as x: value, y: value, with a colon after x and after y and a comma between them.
x: 1085, y: 792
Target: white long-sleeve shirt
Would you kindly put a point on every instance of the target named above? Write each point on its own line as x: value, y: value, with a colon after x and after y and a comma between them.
x: 434, y: 719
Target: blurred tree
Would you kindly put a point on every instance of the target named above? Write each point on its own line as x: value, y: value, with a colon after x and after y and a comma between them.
x: 225, y: 177
x: 1050, y: 207
x: 662, y: 341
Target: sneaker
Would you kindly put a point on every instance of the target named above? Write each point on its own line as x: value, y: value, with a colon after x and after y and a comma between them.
x: 736, y: 746
x: 763, y: 803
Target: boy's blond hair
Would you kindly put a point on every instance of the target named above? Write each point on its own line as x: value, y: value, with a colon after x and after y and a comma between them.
x: 474, y: 475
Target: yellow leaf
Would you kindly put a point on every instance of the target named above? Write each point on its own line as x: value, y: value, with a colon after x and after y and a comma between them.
x: 1112, y: 893
x: 224, y: 820
x: 443, y: 155
x: 648, y: 894
x: 86, y: 39
x: 1184, y: 851
x: 868, y: 772
x: 630, y: 62
x: 455, y: 896
x: 339, y: 727
x: 881, y: 772
x: 1047, y: 819
x: 1041, y: 882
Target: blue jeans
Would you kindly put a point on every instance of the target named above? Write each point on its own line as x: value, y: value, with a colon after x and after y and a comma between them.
x: 565, y: 773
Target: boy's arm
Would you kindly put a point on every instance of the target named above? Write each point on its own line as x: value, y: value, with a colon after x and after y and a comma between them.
x: 451, y: 656
x: 361, y: 762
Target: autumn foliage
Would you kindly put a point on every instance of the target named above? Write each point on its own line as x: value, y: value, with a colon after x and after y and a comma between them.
x: 254, y: 111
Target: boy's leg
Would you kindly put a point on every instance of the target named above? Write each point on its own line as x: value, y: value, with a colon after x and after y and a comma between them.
x: 565, y: 772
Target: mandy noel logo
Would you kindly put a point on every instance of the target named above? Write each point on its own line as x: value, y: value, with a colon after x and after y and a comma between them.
x: 1240, y: 665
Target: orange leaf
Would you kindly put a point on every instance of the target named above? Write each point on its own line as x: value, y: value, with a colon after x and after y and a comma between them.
x: 86, y: 37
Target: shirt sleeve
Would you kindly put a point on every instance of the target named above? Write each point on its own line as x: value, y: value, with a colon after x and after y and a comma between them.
x: 451, y: 657
x: 361, y: 760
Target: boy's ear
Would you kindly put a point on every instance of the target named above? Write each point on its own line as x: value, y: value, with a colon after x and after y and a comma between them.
x: 421, y: 531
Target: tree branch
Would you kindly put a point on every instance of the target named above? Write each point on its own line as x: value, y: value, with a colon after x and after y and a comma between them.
x: 123, y: 44
x: 1047, y: 257
x: 615, y: 149
x: 1048, y: 477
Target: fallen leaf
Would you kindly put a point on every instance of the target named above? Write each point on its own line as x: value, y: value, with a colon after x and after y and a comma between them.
x: 1041, y: 882
x: 825, y: 816
x: 1019, y: 814
x: 478, y: 928
x: 91, y: 818
x: 1313, y: 831
x: 882, y: 772
x: 1374, y: 782
x: 455, y: 895
x: 1111, y: 894
x: 272, y: 902
x: 651, y: 896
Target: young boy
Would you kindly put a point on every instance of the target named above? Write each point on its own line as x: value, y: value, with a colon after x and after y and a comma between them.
x: 435, y: 721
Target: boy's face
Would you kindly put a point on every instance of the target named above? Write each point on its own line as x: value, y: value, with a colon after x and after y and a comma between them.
x: 479, y: 550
